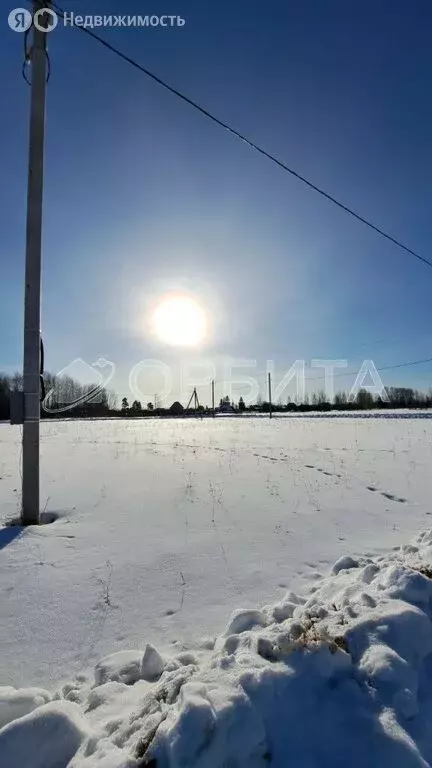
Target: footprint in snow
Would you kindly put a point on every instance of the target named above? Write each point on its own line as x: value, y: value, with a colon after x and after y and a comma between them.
x: 386, y: 495
x: 392, y: 497
x: 323, y: 471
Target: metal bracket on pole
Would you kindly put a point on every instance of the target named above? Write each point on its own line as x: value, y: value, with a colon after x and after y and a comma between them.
x: 16, y: 407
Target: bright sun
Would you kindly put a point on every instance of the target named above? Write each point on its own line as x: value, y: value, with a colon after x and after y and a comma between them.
x: 180, y: 321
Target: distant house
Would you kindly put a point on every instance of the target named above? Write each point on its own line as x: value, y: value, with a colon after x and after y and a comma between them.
x: 176, y: 409
x: 225, y: 408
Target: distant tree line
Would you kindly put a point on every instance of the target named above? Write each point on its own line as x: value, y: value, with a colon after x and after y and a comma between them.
x: 150, y: 409
x: 397, y: 397
x: 67, y: 398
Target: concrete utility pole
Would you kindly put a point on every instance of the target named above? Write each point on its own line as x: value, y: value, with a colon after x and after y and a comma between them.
x: 270, y: 395
x: 31, y: 370
x: 213, y: 400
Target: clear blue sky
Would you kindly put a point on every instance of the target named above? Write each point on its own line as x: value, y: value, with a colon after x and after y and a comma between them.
x: 143, y: 194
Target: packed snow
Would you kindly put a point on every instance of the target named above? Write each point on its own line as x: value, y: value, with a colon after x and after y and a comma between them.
x: 340, y: 676
x: 150, y: 623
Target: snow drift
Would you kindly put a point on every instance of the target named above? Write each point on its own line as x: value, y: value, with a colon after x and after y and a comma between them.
x: 341, y: 676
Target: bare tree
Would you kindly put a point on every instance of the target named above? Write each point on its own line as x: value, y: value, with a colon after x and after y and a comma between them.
x: 112, y: 399
x: 340, y: 398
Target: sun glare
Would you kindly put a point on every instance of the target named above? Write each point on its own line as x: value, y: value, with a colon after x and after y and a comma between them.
x: 180, y: 321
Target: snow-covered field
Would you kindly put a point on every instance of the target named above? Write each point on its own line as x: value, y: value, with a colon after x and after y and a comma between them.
x: 165, y: 528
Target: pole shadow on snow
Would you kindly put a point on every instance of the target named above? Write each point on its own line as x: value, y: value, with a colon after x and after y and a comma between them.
x: 12, y: 529
x: 9, y: 534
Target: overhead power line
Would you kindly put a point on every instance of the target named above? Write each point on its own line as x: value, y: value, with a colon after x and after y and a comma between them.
x: 382, y: 368
x: 244, y: 138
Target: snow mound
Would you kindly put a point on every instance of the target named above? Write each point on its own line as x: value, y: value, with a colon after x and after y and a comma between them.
x: 14, y: 704
x: 152, y: 664
x: 341, y: 676
x: 48, y: 737
x: 121, y: 667
x: 243, y: 620
x: 344, y: 564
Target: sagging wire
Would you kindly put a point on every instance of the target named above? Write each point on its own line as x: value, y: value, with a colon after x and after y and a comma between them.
x: 41, y: 372
x: 48, y: 61
x: 28, y: 58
